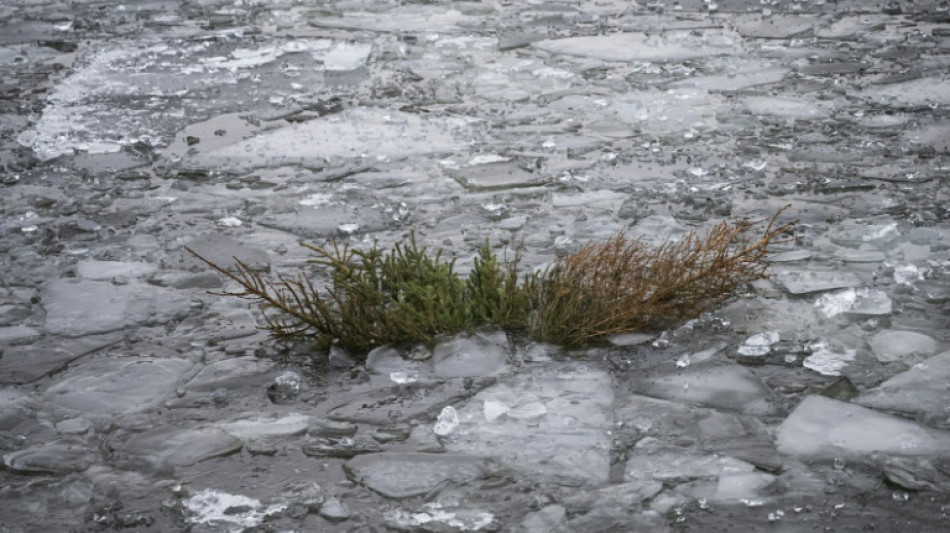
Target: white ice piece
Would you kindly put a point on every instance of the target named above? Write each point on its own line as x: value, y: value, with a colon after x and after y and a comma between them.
x: 823, y: 427
x: 447, y: 423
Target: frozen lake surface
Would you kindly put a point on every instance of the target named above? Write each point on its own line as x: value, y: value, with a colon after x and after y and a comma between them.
x: 131, y: 398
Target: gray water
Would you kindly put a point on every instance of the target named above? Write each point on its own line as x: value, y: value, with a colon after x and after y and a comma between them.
x: 131, y: 397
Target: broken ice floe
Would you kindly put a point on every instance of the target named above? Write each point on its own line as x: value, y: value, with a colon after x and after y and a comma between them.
x: 215, y: 508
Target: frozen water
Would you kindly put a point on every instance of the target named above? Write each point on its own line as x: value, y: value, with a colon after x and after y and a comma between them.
x: 919, y: 92
x: 908, y: 273
x: 921, y: 391
x: 790, y: 108
x: 468, y: 357
x: 212, y: 508
x: 13, y: 408
x: 57, y: 457
x: 180, y: 446
x: 745, y: 483
x: 334, y: 510
x: 734, y: 81
x: 828, y: 360
x: 664, y: 112
x: 346, y: 56
x: 808, y: 281
x: 849, y: 26
x: 544, y: 520
x: 17, y: 334
x: 272, y: 425
x: 862, y: 301
x: 80, y: 115
x: 410, y: 18
x: 495, y: 176
x: 775, y: 28
x: 445, y: 119
x: 906, y: 346
x: 223, y: 251
x: 881, y: 236
x: 433, y: 517
x: 549, y: 421
x: 286, y: 387
x: 674, y: 45
x: 822, y: 427
x: 658, y: 229
x: 67, y: 306
x: 106, y: 270
x: 732, y: 479
x: 404, y: 475
x: 228, y: 373
x: 447, y: 423
x: 30, y: 362
x: 114, y: 386
x: 359, y: 133
x: 759, y: 344
x: 710, y: 384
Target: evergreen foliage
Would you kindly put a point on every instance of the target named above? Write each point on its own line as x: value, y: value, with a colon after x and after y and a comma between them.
x: 407, y: 295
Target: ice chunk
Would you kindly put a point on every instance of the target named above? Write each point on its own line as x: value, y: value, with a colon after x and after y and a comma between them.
x: 214, y: 509
x: 545, y: 520
x: 13, y: 408
x: 791, y: 108
x: 404, y: 475
x: 549, y: 421
x: 268, y: 425
x: 67, y: 304
x: 852, y: 26
x: 447, y: 423
x: 17, y: 334
x: 856, y: 235
x: 862, y: 301
x: 228, y: 373
x: 468, y: 357
x: 822, y: 427
x: 223, y: 251
x: 828, y: 361
x: 906, y: 346
x: 783, y: 27
x: 807, y: 281
x: 673, y: 45
x: 741, y: 484
x: 346, y: 56
x: 58, y: 457
x: 503, y: 175
x: 710, y: 384
x: 734, y: 81
x: 659, y: 228
x: 922, y: 92
x: 177, y: 446
x: 920, y: 391
x: 356, y: 133
x: 113, y: 386
x: 759, y: 344
x: 105, y: 270
x: 412, y: 18
x: 518, y: 406
x: 285, y: 387
x: 909, y: 273
x: 432, y: 517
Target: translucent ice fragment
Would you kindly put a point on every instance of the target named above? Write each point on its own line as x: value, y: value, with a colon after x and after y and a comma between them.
x: 447, y: 423
x: 407, y: 376
x: 859, y: 301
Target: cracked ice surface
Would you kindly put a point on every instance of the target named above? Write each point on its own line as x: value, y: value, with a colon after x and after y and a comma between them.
x: 362, y: 133
x: 552, y: 420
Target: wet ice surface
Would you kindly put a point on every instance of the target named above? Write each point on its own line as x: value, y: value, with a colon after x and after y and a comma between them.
x: 131, y: 398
